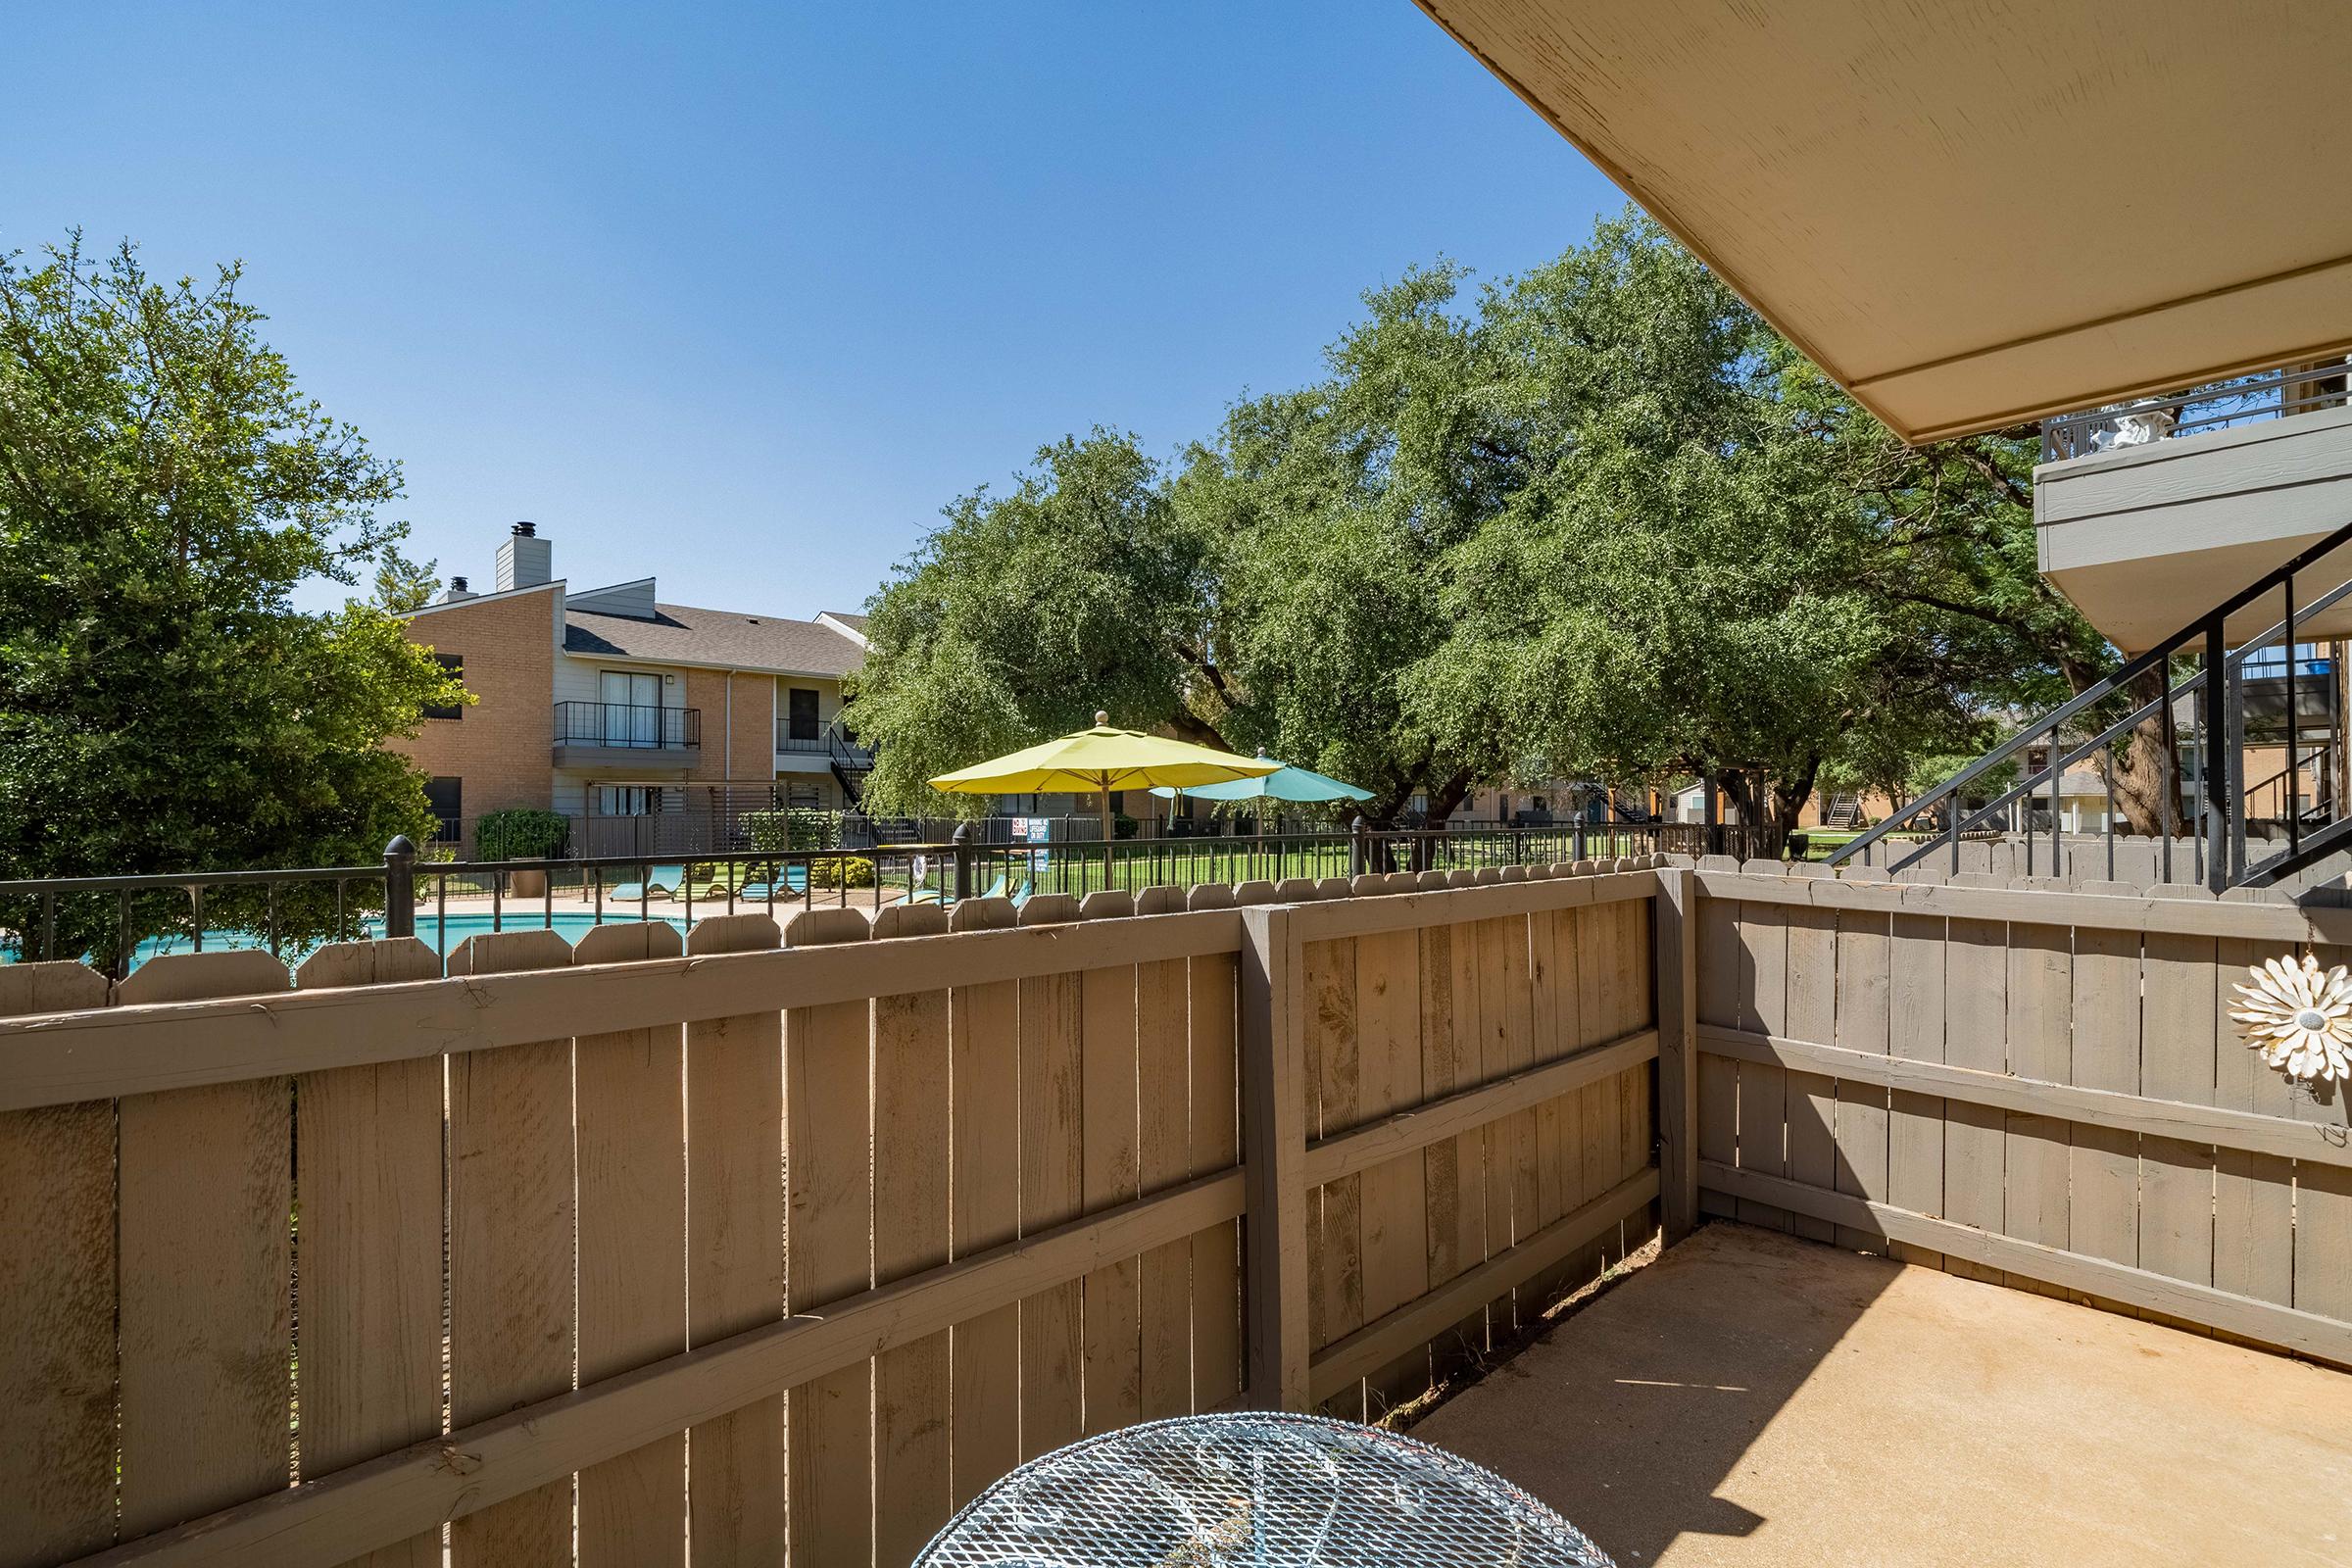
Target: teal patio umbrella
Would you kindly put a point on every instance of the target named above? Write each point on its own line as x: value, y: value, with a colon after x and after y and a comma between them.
x: 1286, y: 783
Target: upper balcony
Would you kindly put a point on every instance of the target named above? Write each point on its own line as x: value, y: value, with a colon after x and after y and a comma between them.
x: 2150, y: 512
x: 612, y: 734
x: 817, y: 751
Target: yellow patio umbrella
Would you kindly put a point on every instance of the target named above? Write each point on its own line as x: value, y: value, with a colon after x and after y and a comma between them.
x: 1099, y: 761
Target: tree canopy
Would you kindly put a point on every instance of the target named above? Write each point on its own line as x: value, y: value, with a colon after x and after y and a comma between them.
x: 163, y: 488
x: 1594, y: 522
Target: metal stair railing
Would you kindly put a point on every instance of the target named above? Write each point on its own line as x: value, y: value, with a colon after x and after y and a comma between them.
x: 2219, y: 726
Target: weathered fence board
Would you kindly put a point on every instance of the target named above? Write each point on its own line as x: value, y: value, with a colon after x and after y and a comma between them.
x: 57, y: 1275
x: 205, y: 1183
x: 1394, y: 1198
x: 367, y: 1176
x: 910, y: 1229
x: 629, y: 1112
x: 1053, y: 1173
x: 985, y: 1184
x: 1110, y: 1297
x: 734, y: 1236
x: 1163, y: 1085
x: 1212, y: 998
x: 828, y: 1106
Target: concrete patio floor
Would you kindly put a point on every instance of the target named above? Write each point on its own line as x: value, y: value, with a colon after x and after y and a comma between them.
x: 1750, y: 1398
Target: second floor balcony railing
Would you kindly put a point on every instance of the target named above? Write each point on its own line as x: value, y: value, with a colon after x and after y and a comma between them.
x: 2271, y: 395
x: 633, y: 725
x: 827, y: 740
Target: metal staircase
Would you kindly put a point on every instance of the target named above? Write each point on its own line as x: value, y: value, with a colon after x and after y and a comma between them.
x: 850, y: 762
x: 1843, y: 812
x: 2195, y: 670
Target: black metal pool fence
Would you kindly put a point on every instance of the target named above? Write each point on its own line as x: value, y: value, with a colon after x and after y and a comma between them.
x: 110, y: 920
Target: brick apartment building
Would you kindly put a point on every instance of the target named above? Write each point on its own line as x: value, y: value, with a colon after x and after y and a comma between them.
x: 653, y: 726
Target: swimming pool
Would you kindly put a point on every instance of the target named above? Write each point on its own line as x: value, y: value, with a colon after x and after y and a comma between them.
x: 442, y: 936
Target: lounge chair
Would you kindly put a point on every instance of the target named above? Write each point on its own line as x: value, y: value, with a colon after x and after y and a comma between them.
x: 791, y: 885
x: 712, y: 889
x: 666, y: 881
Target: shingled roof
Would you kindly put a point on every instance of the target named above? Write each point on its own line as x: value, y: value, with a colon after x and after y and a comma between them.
x: 683, y: 634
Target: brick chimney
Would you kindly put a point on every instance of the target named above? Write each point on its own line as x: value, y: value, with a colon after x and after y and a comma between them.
x: 525, y: 559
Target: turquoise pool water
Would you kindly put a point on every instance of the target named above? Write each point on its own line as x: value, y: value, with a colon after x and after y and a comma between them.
x: 442, y: 937
x: 568, y: 925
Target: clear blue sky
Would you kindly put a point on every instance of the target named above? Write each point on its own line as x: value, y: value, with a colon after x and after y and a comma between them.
x: 741, y: 296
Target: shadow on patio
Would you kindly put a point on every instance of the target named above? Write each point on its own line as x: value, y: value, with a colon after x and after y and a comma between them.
x: 1754, y: 1399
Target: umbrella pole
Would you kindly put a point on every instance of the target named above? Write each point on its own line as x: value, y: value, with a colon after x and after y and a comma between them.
x: 1104, y: 799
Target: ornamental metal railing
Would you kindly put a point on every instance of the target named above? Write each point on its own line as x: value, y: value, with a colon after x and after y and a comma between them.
x: 2194, y: 669
x: 2271, y: 395
x: 632, y: 726
x: 118, y: 922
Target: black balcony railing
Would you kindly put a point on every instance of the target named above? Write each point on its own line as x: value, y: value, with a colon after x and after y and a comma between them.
x: 634, y: 726
x: 2271, y: 395
x: 829, y: 740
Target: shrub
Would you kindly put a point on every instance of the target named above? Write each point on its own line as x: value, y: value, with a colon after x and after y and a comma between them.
x: 520, y: 833
x: 798, y: 828
x: 854, y: 871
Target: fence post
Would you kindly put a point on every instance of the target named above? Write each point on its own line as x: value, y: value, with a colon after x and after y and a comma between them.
x: 400, y: 887
x: 962, y: 840
x: 1273, y: 1153
x: 1674, y: 928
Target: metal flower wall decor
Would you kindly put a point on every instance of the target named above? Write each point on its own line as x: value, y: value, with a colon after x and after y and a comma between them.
x: 2299, y: 1017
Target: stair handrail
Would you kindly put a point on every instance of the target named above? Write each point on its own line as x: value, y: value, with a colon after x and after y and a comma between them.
x: 2157, y: 657
x: 2302, y: 765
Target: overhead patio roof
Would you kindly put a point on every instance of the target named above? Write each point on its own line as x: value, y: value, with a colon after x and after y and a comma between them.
x: 1972, y: 213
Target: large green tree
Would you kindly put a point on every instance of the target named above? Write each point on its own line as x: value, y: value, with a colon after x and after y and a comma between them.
x: 1596, y: 522
x: 164, y: 487
x: 1077, y: 590
x: 1717, y: 564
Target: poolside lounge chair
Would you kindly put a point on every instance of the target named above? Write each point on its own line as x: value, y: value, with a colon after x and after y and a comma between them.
x: 666, y: 881
x: 791, y: 885
x: 714, y: 889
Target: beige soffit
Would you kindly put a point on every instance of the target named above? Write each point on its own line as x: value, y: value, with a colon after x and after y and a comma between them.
x: 1975, y: 212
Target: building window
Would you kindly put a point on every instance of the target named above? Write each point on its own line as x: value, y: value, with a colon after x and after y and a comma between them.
x: 631, y: 799
x: 448, y: 799
x: 453, y: 666
x: 800, y: 715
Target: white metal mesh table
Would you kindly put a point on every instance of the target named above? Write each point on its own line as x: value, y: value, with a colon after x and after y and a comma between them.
x: 1257, y: 1490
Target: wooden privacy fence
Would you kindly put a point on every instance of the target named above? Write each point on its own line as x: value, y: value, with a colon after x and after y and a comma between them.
x: 2079, y: 857
x: 2027, y: 1084
x: 775, y: 1246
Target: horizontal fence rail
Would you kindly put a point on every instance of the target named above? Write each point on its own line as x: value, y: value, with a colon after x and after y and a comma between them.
x: 1045, y: 1171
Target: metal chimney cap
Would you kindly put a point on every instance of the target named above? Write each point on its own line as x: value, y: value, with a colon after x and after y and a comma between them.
x: 525, y: 530
x: 457, y: 585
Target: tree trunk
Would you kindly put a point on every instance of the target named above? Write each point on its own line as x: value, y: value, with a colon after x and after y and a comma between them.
x: 1443, y: 801
x: 1789, y: 797
x: 1738, y: 786
x: 2147, y: 773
